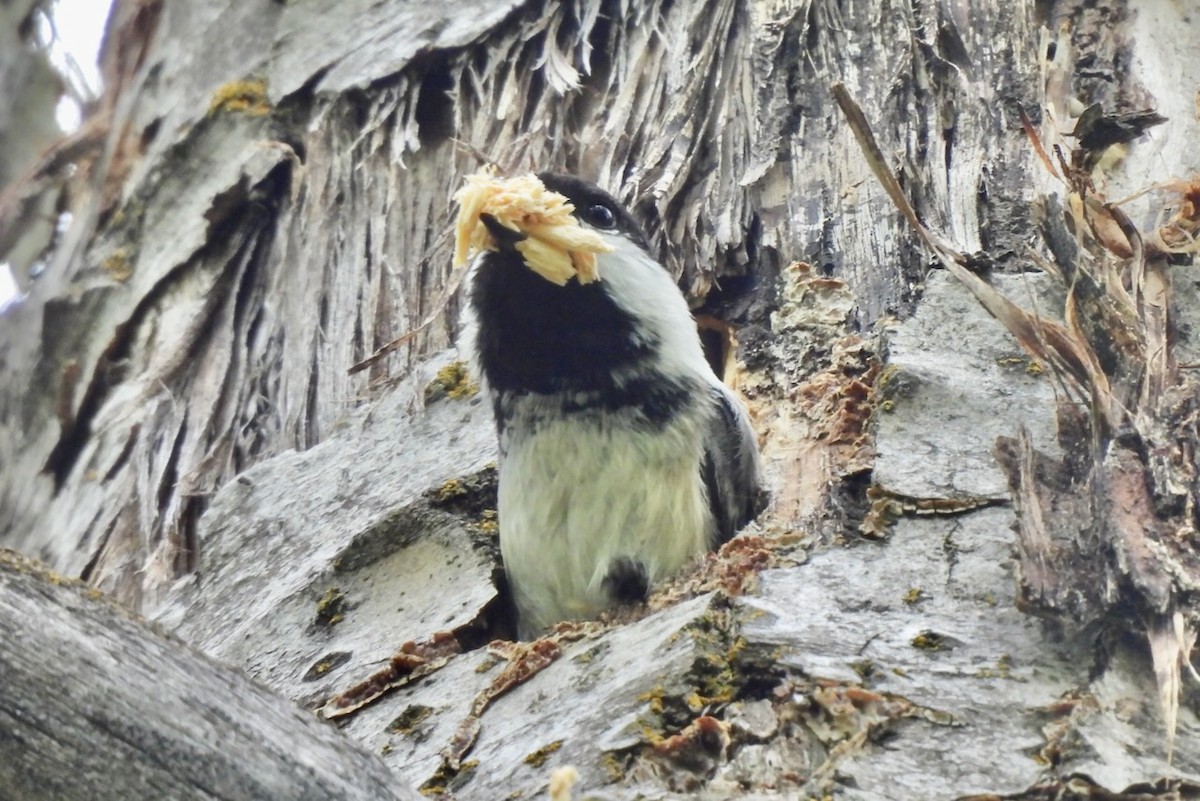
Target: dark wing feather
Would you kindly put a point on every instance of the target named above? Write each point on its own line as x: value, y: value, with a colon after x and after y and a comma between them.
x: 731, y: 465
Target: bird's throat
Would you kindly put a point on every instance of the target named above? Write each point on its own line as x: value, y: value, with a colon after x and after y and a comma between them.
x: 535, y: 336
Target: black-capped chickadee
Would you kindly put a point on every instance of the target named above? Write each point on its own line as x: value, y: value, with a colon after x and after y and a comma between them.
x: 622, y: 455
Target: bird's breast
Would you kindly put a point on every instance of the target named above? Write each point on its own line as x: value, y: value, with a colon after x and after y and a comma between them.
x: 579, y: 492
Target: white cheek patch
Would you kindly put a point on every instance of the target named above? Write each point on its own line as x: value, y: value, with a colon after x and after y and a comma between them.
x: 648, y: 293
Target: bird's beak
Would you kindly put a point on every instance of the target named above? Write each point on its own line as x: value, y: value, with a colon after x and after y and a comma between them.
x: 505, y: 238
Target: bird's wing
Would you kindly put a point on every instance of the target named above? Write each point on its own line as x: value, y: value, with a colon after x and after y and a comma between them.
x: 731, y: 465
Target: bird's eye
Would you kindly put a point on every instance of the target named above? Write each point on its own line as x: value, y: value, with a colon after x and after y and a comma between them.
x: 600, y: 216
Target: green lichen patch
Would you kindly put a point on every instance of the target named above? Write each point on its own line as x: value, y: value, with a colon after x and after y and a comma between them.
x: 683, y: 721
x: 1001, y: 670
x: 654, y: 698
x: 450, y: 489
x: 725, y: 669
x: 473, y: 497
x: 326, y: 664
x: 613, y: 766
x: 331, y: 609
x: 452, y: 381
x: 117, y: 265
x: 19, y: 563
x: 1031, y: 367
x: 488, y: 523
x: 447, y: 779
x: 886, y: 383
x: 929, y: 641
x: 244, y: 97
x: 538, y: 758
x: 411, y: 718
x: 591, y: 654
x: 865, y: 668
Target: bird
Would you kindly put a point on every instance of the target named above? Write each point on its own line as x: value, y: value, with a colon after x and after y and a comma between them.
x: 622, y: 455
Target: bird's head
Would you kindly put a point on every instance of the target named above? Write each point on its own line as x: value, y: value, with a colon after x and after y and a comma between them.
x: 599, y: 213
x: 564, y: 291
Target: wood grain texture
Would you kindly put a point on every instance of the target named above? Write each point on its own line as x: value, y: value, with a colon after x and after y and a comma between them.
x: 99, y: 705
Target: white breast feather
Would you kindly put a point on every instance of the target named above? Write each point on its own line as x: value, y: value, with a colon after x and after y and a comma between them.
x: 574, y: 497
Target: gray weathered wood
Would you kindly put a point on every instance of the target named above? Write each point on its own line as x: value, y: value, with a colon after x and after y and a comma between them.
x: 31, y: 90
x: 98, y: 705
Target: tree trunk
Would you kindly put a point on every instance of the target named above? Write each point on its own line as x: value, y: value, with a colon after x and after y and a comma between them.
x: 31, y: 89
x: 98, y: 705
x: 263, y: 201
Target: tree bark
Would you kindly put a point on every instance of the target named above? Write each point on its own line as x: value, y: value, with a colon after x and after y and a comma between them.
x: 99, y: 705
x: 266, y: 202
x: 31, y: 89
